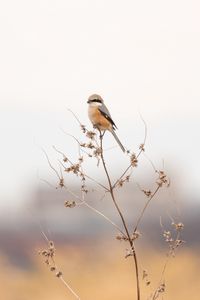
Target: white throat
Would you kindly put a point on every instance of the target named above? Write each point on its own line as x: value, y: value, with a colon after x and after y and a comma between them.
x: 95, y: 104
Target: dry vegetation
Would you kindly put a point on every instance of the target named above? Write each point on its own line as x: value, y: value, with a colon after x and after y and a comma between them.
x: 98, y: 271
x: 132, y: 279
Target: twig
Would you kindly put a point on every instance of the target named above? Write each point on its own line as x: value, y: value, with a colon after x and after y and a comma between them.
x: 64, y: 156
x: 71, y: 163
x: 122, y: 217
x: 72, y: 136
x: 169, y: 254
x: 49, y: 259
x: 50, y: 165
x: 145, y: 136
x: 95, y: 210
x: 94, y: 180
x: 144, y: 208
x: 123, y: 174
x: 137, y: 156
x: 77, y: 119
x: 69, y: 288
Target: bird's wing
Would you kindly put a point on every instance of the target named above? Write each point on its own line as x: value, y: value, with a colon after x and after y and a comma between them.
x: 105, y: 112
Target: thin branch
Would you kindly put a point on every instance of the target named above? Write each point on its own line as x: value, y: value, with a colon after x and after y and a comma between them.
x: 145, y: 136
x: 75, y: 140
x: 137, y: 156
x: 102, y: 197
x: 144, y: 208
x: 48, y: 183
x: 69, y: 288
x: 168, y: 257
x: 77, y: 119
x: 94, y: 180
x: 95, y: 210
x: 64, y: 156
x: 150, y: 161
x: 123, y: 174
x: 104, y: 216
x: 111, y: 187
x: 49, y: 255
x: 122, y: 218
x: 81, y: 125
x: 50, y: 165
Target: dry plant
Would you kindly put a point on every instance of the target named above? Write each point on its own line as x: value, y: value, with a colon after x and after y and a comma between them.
x: 48, y: 255
x: 92, y: 148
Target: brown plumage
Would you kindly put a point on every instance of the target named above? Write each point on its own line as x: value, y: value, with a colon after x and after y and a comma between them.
x: 100, y: 116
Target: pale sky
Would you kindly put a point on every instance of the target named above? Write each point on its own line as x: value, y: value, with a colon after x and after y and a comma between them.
x: 141, y: 56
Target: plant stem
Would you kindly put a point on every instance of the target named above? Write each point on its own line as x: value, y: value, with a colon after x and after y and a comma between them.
x: 111, y: 190
x: 144, y: 209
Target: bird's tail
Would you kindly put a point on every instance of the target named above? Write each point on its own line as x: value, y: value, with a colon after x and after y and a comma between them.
x: 118, y: 141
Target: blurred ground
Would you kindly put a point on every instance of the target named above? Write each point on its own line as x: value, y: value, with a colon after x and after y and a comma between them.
x: 99, y: 271
x: 87, y: 252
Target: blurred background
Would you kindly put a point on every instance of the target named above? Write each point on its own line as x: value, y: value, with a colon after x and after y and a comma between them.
x: 143, y: 59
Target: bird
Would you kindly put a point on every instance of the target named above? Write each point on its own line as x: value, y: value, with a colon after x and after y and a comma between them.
x: 101, y: 118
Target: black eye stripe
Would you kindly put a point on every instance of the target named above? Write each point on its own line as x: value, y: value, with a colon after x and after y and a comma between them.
x: 95, y: 100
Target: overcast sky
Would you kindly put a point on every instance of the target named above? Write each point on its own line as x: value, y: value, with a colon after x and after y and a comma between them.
x: 141, y: 56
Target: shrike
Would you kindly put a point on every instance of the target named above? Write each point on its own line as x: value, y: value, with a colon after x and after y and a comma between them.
x: 100, y: 117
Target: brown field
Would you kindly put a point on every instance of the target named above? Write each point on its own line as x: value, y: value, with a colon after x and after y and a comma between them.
x: 100, y: 272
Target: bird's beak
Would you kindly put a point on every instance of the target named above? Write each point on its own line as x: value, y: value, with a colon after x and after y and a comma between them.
x: 88, y: 101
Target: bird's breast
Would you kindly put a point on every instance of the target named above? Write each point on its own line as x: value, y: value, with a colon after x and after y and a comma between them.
x: 97, y: 119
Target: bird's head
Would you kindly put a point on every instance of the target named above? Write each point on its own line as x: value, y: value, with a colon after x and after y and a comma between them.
x: 95, y: 99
